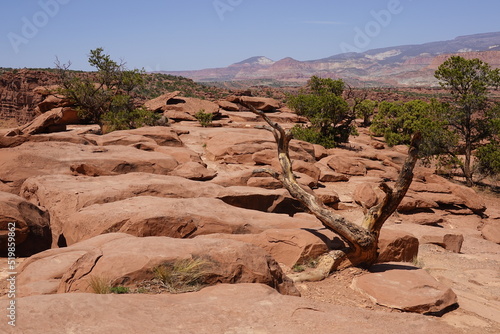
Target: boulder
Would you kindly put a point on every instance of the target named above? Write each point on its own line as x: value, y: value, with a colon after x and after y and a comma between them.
x: 413, y: 202
x: 319, y: 152
x: 234, y: 147
x: 470, y: 198
x: 63, y: 195
x: 179, y: 116
x: 181, y: 153
x: 327, y: 196
x: 491, y: 231
x: 194, y: 171
x: 460, y: 195
x: 173, y: 217
x: 120, y: 138
x: 46, y: 90
x: 287, y: 246
x: 191, y: 106
x: 396, y: 246
x: 424, y: 218
x: 241, y: 116
x: 433, y: 235
x: 128, y: 261
x: 224, y: 308
x: 260, y: 103
x: 33, y: 159
x: 328, y: 175
x: 229, y: 106
x: 73, y: 193
x: 54, y: 101
x: 405, y: 288
x: 441, y: 188
x: 30, y: 224
x: 163, y: 136
x: 306, y: 168
x: 264, y: 182
x: 265, y: 200
x: 366, y: 196
x: 52, y: 121
x: 346, y: 165
x: 159, y: 104
x: 41, y: 273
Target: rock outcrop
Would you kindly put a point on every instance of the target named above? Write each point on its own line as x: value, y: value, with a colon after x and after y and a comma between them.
x: 28, y: 224
x: 125, y: 260
x: 405, y: 288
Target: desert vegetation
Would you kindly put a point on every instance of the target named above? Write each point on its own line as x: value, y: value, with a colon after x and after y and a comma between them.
x: 326, y: 192
x: 106, y: 98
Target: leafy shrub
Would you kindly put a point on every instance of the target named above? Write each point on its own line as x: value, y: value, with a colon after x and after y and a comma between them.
x: 119, y: 290
x: 106, y: 93
x: 124, y: 119
x: 397, y: 122
x: 312, y: 136
x: 489, y: 158
x: 365, y: 110
x: 327, y: 111
x: 204, y: 118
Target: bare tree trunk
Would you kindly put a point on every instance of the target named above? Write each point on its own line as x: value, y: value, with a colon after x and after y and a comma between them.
x: 362, y: 239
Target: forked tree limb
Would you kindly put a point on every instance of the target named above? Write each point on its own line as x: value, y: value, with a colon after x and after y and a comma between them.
x: 362, y: 240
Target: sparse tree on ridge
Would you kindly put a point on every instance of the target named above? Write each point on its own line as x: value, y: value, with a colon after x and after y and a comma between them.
x: 471, y: 117
x: 105, y: 97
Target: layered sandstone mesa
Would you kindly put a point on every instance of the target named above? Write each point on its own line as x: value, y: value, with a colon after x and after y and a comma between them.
x: 20, y: 93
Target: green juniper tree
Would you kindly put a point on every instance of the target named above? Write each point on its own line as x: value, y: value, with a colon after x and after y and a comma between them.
x: 106, y: 96
x: 471, y: 116
x: 328, y: 112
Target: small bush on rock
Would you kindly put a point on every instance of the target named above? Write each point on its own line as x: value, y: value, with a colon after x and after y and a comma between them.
x: 204, y: 118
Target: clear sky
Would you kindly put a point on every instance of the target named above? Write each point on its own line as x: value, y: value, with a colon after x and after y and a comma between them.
x: 194, y: 34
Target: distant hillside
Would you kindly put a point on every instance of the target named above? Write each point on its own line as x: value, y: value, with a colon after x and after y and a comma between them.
x: 406, y: 65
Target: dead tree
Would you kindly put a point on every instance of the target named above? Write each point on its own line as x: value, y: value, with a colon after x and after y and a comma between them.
x: 362, y: 239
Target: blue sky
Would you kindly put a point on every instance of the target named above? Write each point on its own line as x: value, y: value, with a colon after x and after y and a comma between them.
x: 194, y: 34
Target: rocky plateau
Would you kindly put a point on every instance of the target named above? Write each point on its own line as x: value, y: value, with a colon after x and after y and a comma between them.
x: 118, y: 206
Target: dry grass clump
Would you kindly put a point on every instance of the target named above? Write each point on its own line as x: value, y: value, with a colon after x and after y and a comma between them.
x: 100, y: 285
x: 183, y: 275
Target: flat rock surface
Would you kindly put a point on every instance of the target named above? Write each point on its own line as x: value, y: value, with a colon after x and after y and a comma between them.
x: 405, y: 288
x: 241, y: 308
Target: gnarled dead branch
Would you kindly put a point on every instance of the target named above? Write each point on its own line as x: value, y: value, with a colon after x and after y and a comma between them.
x: 362, y: 239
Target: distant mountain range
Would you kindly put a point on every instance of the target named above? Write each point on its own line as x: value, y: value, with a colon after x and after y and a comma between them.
x: 406, y: 65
